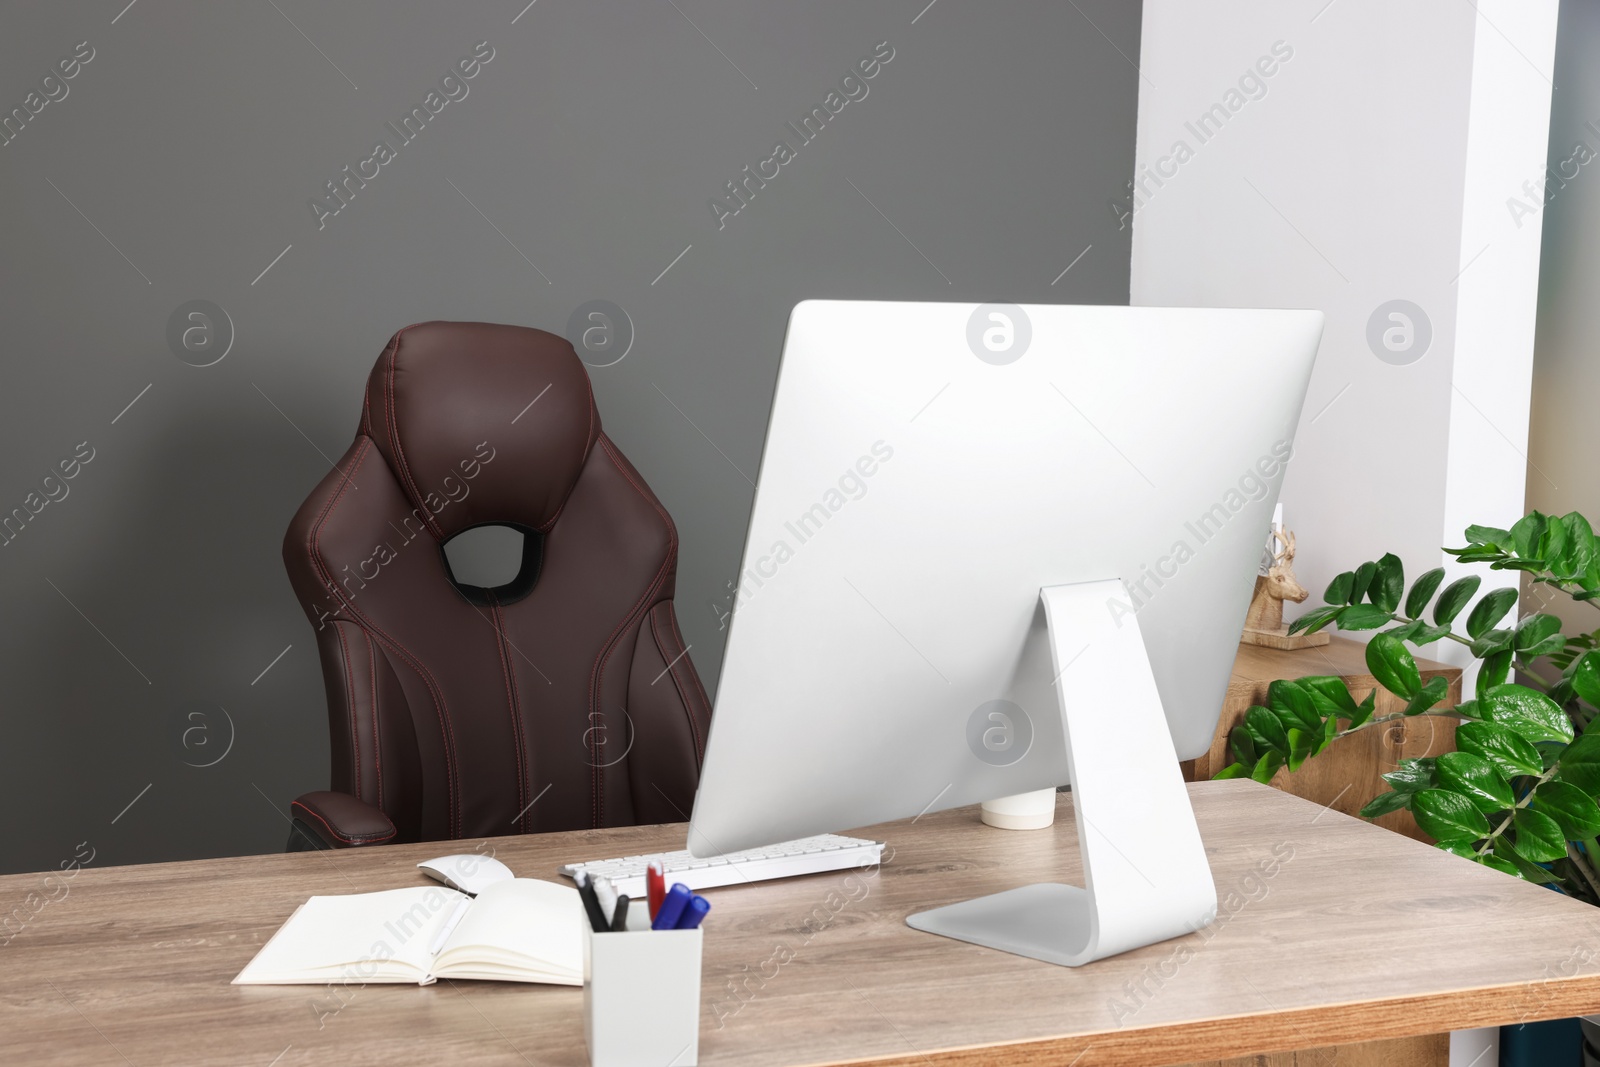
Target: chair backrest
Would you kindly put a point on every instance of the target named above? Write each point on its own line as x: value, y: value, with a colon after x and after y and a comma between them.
x: 562, y: 699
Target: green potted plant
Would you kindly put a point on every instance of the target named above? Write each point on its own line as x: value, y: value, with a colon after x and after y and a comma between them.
x: 1518, y: 793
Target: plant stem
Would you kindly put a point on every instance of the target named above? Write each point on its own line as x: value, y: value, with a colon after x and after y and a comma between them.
x: 1539, y: 683
x: 1527, y: 798
x: 1444, y: 713
x: 1583, y: 867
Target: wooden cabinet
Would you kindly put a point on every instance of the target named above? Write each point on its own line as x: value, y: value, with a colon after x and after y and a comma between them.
x: 1348, y: 774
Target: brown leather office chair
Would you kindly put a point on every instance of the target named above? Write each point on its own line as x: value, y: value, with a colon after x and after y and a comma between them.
x: 559, y: 700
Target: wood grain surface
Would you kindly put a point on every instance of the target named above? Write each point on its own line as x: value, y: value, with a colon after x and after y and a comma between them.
x: 1330, y: 931
x: 1350, y: 772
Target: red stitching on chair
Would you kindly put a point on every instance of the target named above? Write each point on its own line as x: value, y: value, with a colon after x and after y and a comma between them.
x: 633, y: 613
x: 350, y: 699
x: 440, y: 707
x: 671, y: 663
x: 694, y: 676
x: 377, y: 755
x: 512, y: 701
x: 362, y: 839
x: 394, y: 440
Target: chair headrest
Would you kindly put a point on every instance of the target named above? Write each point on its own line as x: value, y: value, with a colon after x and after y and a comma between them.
x: 481, y: 423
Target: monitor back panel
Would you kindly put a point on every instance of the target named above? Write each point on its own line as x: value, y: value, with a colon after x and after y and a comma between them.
x: 920, y: 483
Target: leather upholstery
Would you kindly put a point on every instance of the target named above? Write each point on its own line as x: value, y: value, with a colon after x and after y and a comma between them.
x: 341, y: 819
x: 463, y: 712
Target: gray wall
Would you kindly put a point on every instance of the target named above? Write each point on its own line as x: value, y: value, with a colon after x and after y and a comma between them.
x: 1563, y: 439
x: 143, y: 606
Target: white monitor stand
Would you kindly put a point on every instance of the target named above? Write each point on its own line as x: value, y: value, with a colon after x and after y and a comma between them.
x: 1146, y: 878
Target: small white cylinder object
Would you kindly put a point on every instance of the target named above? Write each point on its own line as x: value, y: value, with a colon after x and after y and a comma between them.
x: 1024, y: 811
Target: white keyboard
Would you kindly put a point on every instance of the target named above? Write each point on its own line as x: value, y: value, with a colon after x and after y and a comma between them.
x: 809, y: 855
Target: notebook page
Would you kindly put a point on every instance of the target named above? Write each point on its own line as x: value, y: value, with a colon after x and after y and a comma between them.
x: 537, y: 924
x: 351, y: 937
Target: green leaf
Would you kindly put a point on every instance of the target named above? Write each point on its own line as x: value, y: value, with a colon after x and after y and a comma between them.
x: 1447, y: 816
x: 1573, y: 810
x: 1243, y: 745
x: 1430, y: 694
x: 1412, y: 776
x: 1532, y: 872
x: 1548, y: 647
x: 1526, y: 534
x: 1454, y: 598
x: 1393, y: 666
x: 1580, y: 543
x: 1388, y: 581
x: 1384, y: 803
x: 1495, y: 669
x: 1535, y: 629
x: 1476, y: 779
x: 1427, y: 635
x: 1330, y: 729
x: 1314, y: 620
x: 1467, y: 709
x: 1364, y: 617
x: 1363, y: 579
x: 1265, y: 730
x: 1407, y: 630
x: 1530, y: 713
x: 1500, y: 746
x: 1330, y: 695
x: 1294, y: 706
x: 1538, y: 837
x: 1339, y: 589
x: 1300, y: 743
x: 1364, y: 710
x: 1458, y: 848
x: 1580, y: 762
x: 1490, y: 610
x: 1552, y: 545
x: 1487, y: 535
x: 1496, y: 863
x: 1422, y: 591
x: 1232, y: 770
x: 1266, y: 767
x: 1584, y: 674
x: 1492, y: 642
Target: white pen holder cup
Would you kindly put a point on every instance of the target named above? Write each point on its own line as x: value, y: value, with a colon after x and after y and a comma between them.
x: 641, y: 997
x: 1024, y: 811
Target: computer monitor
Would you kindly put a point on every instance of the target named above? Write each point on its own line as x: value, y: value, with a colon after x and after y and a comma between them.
x: 977, y: 530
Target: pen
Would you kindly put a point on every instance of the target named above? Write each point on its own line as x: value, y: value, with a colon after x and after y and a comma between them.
x: 619, y: 921
x: 655, y: 878
x: 694, y: 913
x: 597, y: 919
x: 449, y: 927
x: 672, y: 906
x: 606, y: 895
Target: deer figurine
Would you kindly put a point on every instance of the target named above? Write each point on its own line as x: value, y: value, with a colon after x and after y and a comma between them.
x: 1263, y: 623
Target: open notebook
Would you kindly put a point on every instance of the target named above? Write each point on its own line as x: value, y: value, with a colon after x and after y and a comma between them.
x: 521, y: 930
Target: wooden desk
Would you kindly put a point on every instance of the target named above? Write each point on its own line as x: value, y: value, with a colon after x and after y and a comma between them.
x: 1355, y: 934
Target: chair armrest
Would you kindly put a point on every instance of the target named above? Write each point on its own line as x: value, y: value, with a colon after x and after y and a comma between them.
x: 337, y: 820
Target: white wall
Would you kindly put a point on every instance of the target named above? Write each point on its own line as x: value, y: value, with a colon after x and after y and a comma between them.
x: 1370, y: 165
x: 1364, y: 153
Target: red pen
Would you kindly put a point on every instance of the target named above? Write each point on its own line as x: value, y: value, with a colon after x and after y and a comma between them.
x: 655, y: 882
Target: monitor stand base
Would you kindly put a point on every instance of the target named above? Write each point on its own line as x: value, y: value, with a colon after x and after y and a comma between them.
x: 1145, y: 869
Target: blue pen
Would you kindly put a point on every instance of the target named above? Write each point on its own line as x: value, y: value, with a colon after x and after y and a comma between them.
x: 672, y: 906
x: 694, y: 914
